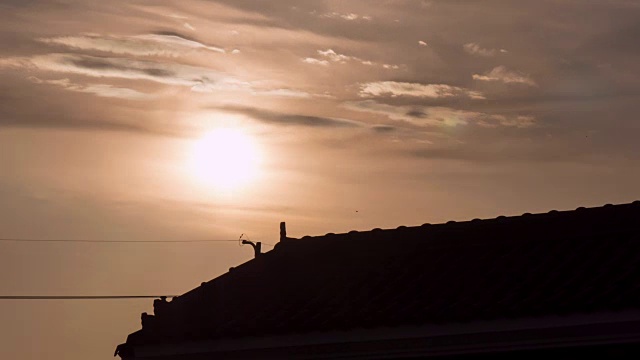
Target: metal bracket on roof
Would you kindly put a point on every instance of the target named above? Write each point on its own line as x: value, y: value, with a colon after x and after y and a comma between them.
x: 257, y: 247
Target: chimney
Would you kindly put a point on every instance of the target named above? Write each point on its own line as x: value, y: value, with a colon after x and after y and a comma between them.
x: 283, y: 231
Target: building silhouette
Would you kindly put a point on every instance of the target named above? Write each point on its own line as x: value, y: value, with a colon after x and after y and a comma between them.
x: 562, y: 283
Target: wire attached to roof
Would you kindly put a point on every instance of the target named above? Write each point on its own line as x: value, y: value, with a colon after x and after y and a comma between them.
x: 117, y: 241
x: 111, y: 241
x: 80, y: 297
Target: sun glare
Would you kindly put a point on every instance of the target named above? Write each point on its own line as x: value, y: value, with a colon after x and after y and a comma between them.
x: 225, y: 158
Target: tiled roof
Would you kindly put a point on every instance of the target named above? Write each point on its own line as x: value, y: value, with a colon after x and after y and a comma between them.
x: 561, y: 262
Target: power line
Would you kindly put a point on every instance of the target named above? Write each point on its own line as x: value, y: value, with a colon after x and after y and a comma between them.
x: 111, y: 241
x: 80, y: 297
x: 118, y: 241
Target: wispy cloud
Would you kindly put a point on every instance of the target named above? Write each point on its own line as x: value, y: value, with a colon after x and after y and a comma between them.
x: 17, y: 63
x: 179, y: 41
x: 158, y: 44
x: 476, y: 49
x: 44, y: 108
x: 502, y: 74
x: 329, y: 56
x: 197, y: 78
x: 417, y: 115
x: 336, y: 57
x: 103, y: 90
x: 346, y: 16
x: 315, y: 61
x: 395, y: 89
x: 439, y: 116
x: 291, y: 93
x: 286, y: 119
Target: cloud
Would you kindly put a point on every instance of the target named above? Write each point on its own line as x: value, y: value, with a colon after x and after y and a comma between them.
x: 287, y: 93
x: 384, y: 128
x: 102, y: 90
x: 17, y: 63
x: 157, y: 44
x: 69, y: 123
x: 315, y: 61
x: 395, y: 89
x: 422, y: 43
x: 417, y: 115
x: 334, y: 56
x: 47, y: 106
x: 346, y: 16
x: 331, y: 55
x: 177, y: 40
x: 501, y: 73
x: 519, y: 121
x: 284, y: 119
x: 189, y: 26
x: 197, y: 78
x: 178, y: 16
x: 440, y: 116
x: 476, y: 49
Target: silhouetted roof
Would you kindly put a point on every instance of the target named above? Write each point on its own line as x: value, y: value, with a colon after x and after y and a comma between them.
x: 560, y: 262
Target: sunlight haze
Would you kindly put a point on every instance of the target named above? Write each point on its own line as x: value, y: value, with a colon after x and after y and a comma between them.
x: 197, y: 119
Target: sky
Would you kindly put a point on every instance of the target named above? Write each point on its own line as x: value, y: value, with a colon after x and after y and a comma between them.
x: 164, y: 120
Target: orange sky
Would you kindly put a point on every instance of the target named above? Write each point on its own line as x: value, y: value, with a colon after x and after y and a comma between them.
x: 364, y: 114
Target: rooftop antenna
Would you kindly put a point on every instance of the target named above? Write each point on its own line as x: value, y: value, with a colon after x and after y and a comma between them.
x: 257, y: 246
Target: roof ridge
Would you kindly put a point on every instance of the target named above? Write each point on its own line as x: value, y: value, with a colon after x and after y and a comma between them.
x: 475, y: 220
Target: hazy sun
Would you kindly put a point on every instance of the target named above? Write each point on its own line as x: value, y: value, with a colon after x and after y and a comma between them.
x: 225, y: 158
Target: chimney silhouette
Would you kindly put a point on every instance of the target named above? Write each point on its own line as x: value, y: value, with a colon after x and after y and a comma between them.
x: 283, y: 231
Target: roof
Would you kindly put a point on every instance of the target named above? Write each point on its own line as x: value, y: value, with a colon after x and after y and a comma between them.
x: 560, y: 262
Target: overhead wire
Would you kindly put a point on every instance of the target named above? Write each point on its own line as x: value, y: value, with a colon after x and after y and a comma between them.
x: 80, y: 297
x: 103, y: 297
x: 117, y: 241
